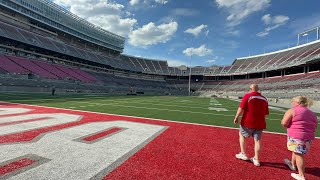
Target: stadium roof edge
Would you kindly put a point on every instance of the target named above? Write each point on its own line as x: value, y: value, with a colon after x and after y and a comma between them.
x: 143, y: 58
x: 279, y: 51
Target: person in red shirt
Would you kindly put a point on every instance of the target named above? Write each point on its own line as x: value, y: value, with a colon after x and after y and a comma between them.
x: 254, y: 108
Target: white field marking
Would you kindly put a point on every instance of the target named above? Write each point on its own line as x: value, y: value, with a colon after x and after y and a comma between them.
x: 64, y: 149
x: 164, y: 120
x: 214, y: 104
x: 171, y: 110
x: 51, y: 119
x: 174, y: 102
x: 269, y: 107
x: 151, y: 102
x: 100, y: 99
x: 168, y: 105
x: 10, y: 111
x: 185, y: 101
x: 277, y: 108
x: 217, y: 109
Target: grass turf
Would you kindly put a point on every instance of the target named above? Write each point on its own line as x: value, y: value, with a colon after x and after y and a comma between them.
x: 185, y: 109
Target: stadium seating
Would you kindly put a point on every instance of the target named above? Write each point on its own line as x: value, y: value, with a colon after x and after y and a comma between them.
x: 280, y: 59
x: 32, y: 67
x: 10, y: 66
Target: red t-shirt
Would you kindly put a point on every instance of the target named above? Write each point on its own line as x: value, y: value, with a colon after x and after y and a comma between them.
x: 255, y: 108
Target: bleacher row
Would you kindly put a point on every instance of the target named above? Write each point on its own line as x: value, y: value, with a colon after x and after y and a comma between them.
x: 298, y: 81
x: 276, y: 60
x: 48, y: 75
x: 19, y: 65
x: 265, y: 62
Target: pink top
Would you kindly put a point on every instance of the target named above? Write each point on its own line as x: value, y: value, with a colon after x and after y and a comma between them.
x: 303, y: 125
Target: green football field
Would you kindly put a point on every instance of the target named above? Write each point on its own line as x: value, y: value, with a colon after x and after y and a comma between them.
x: 211, y: 111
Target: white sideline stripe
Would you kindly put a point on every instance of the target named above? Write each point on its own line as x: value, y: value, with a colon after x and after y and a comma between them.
x: 179, y: 122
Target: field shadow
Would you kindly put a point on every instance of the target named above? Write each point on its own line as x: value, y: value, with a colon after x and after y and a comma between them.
x: 313, y: 171
x: 275, y: 165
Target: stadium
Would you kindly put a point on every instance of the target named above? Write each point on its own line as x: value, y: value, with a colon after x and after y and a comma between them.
x: 74, y: 106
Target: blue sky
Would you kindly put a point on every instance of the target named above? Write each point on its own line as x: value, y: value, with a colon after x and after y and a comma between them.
x: 206, y: 31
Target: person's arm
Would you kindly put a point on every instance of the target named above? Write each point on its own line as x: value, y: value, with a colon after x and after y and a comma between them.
x: 242, y: 106
x: 239, y: 112
x: 287, y: 118
x: 267, y: 109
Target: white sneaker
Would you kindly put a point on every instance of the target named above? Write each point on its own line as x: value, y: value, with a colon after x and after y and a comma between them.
x: 297, y: 176
x: 242, y: 156
x: 288, y: 163
x: 255, y: 161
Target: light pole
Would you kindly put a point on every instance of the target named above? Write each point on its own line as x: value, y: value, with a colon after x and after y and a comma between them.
x: 190, y: 75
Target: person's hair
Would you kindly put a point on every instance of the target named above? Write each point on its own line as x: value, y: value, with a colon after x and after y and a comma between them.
x: 303, y: 101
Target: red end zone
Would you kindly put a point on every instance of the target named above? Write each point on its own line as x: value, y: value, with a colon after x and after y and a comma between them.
x: 48, y: 142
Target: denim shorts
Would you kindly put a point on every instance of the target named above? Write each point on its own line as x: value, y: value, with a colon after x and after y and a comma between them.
x: 247, y: 132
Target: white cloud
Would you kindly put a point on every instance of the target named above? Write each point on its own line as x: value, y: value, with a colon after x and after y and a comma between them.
x: 151, y: 3
x: 175, y: 63
x: 207, y: 32
x: 64, y: 3
x: 200, y: 51
x: 280, y: 19
x: 272, y: 23
x: 211, y: 61
x: 263, y: 33
x: 197, y: 30
x: 134, y: 2
x: 102, y: 13
x: 161, y: 1
x: 151, y: 34
x: 214, y: 60
x: 114, y: 24
x: 239, y: 10
x: 266, y: 19
x: 233, y: 32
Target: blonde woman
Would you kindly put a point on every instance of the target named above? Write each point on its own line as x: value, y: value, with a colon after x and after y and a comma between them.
x: 301, y: 124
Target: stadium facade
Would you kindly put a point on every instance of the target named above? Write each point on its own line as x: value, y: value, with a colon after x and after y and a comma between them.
x: 44, y: 45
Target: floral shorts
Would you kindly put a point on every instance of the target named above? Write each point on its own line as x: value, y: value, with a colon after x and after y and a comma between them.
x: 298, y: 146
